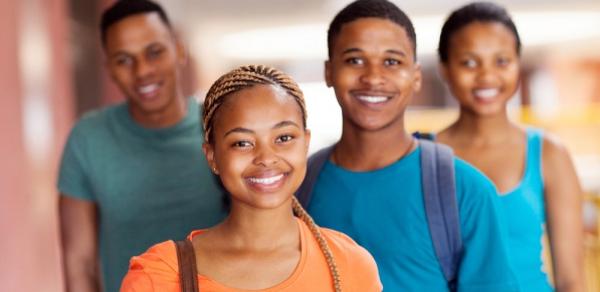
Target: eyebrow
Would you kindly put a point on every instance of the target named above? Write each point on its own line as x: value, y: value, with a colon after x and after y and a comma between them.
x: 126, y: 53
x: 248, y: 131
x: 118, y: 54
x: 390, y: 51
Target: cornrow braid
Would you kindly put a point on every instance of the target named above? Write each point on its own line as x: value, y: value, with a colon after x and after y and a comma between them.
x: 303, y: 215
x: 242, y: 78
x: 246, y: 77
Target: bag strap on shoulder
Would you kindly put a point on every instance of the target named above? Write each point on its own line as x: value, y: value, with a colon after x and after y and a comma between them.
x: 439, y: 190
x: 186, y: 260
x: 313, y: 169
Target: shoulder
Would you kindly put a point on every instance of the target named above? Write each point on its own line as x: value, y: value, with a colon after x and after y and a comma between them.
x: 468, y: 176
x: 341, y: 242
x: 93, y: 120
x: 554, y: 152
x: 160, y: 259
x: 354, y: 262
x: 154, y: 270
x: 476, y: 194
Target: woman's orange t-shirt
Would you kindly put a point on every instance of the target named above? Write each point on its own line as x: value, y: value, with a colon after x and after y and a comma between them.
x: 157, y: 269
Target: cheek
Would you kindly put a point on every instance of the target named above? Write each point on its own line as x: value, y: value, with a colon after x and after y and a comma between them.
x: 121, y: 75
x: 512, y: 74
x: 461, y: 81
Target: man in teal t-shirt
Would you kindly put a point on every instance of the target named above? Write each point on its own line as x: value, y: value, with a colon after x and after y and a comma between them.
x: 133, y: 174
x: 370, y: 187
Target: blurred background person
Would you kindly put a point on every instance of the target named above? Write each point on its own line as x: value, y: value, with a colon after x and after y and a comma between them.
x: 132, y: 174
x: 479, y: 54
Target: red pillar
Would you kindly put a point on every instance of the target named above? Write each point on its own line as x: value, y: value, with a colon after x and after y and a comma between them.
x: 29, y: 248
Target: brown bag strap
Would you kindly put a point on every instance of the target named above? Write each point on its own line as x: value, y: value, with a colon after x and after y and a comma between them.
x: 186, y: 259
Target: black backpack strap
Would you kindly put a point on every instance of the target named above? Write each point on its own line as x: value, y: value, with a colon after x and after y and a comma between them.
x: 439, y: 190
x: 186, y: 260
x: 315, y: 165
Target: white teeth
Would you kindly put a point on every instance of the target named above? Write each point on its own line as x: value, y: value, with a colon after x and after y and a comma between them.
x: 266, y: 180
x: 486, y: 93
x: 147, y: 89
x: 373, y: 99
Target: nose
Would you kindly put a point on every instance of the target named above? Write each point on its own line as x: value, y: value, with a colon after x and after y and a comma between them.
x: 265, y: 155
x: 143, y: 68
x: 487, y: 74
x: 372, y: 75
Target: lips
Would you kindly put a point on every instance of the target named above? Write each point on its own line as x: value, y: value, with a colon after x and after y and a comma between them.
x: 486, y: 94
x: 372, y: 98
x: 266, y: 182
x: 148, y: 91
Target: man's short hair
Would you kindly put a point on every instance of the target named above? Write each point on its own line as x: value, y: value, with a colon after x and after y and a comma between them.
x: 370, y: 8
x: 125, y: 8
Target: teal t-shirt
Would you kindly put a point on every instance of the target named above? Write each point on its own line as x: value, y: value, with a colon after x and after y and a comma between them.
x: 383, y: 210
x: 150, y: 185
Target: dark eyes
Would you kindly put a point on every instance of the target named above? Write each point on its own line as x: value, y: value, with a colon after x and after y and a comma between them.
x: 354, y: 61
x: 152, y: 53
x: 155, y: 52
x: 244, y: 144
x: 359, y: 61
x: 284, y: 138
x: 124, y: 60
x: 241, y: 144
x: 471, y: 63
x: 391, y: 62
x: 502, y: 61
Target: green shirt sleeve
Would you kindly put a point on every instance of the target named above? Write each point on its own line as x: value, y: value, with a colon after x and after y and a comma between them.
x: 73, y: 179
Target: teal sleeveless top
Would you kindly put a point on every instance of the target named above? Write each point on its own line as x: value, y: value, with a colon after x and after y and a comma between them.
x: 525, y: 219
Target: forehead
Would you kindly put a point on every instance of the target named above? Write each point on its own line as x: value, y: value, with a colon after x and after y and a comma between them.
x: 372, y: 33
x: 483, y: 36
x: 137, y: 31
x: 258, y: 104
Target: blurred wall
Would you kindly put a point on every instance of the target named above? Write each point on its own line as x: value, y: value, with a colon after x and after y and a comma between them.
x: 36, y: 111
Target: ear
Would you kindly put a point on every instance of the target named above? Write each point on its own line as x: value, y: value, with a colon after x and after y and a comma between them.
x: 418, y: 77
x: 443, y: 69
x: 306, y: 140
x: 182, y: 55
x: 209, y: 152
x: 328, y: 78
x: 108, y: 68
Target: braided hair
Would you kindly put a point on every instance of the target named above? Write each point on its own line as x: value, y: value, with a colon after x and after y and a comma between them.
x: 246, y: 77
x: 242, y: 78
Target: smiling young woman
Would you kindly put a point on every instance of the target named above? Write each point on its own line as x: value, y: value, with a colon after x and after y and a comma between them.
x: 257, y: 142
x: 538, y: 187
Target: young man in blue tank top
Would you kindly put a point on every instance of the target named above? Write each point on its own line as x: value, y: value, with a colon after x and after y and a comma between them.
x: 134, y: 174
x: 370, y: 186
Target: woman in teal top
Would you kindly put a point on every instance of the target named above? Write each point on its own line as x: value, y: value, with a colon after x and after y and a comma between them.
x: 479, y: 51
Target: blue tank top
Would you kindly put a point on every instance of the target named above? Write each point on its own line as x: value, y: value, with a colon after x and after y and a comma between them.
x: 525, y: 219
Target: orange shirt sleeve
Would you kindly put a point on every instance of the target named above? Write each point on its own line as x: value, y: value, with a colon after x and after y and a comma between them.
x: 357, y: 267
x: 155, y: 270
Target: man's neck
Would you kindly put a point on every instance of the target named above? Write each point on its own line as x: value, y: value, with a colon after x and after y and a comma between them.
x: 164, y: 118
x: 362, y: 150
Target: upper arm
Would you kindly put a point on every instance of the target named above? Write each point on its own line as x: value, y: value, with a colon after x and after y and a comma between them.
x: 137, y: 281
x: 79, y: 229
x: 563, y: 198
